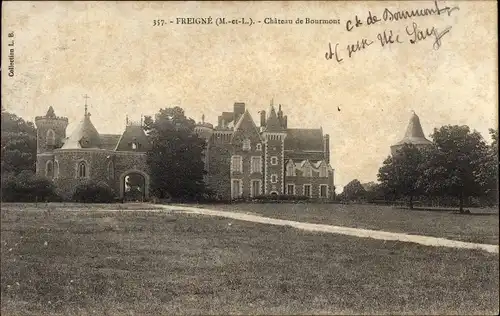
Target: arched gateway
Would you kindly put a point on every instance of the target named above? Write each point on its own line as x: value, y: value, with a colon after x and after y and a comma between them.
x: 134, y: 185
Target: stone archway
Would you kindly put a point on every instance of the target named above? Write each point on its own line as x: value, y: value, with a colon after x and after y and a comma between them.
x: 134, y: 185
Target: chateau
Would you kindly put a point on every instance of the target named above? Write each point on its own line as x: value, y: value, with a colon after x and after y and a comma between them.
x: 242, y: 160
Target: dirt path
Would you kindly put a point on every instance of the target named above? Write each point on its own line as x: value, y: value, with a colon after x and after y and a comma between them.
x: 357, y: 232
x: 349, y: 231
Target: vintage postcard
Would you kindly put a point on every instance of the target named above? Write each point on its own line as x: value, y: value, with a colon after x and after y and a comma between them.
x: 277, y: 157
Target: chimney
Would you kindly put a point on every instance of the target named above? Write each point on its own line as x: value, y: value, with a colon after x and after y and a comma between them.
x: 239, y: 109
x: 326, y: 147
x: 262, y: 118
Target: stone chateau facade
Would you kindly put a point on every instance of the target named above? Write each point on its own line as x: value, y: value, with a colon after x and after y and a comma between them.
x: 242, y: 160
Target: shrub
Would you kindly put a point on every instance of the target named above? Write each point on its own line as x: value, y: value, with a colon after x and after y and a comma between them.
x: 92, y: 192
x: 28, y: 187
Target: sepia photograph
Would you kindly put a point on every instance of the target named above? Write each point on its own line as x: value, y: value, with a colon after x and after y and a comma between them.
x: 249, y: 158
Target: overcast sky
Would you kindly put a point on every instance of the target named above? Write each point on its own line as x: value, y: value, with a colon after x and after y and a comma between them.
x: 113, y: 53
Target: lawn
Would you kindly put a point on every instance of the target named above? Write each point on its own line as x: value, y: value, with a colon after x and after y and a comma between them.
x: 145, y: 263
x: 479, y: 227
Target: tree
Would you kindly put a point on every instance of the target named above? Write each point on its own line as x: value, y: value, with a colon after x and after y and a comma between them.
x: 374, y: 192
x: 454, y: 165
x: 353, y: 190
x: 18, y: 151
x: 487, y: 175
x: 401, y: 173
x: 175, y: 159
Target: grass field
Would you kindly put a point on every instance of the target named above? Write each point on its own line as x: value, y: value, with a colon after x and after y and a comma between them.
x: 480, y: 227
x: 144, y: 263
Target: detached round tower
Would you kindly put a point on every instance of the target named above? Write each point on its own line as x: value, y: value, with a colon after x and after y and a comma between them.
x: 414, y: 135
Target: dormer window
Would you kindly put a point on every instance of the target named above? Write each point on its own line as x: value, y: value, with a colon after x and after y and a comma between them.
x: 246, y: 144
x: 258, y: 147
x: 134, y: 146
x: 84, y: 142
x: 307, y: 171
x: 323, y: 172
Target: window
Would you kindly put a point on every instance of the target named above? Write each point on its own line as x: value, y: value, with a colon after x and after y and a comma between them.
x: 323, y: 191
x: 49, y: 169
x: 82, y: 169
x: 290, y: 169
x: 255, y: 188
x: 307, y: 190
x: 134, y: 146
x: 56, y: 169
x: 51, y: 138
x: 290, y: 189
x: 246, y: 144
x: 274, y: 160
x: 256, y: 165
x: 111, y: 170
x: 236, y: 189
x: 274, y: 178
x: 323, y: 172
x: 307, y: 171
x: 258, y: 147
x: 236, y: 164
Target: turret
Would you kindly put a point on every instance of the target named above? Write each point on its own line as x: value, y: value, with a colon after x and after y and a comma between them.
x: 50, y: 131
x: 414, y: 135
x: 274, y: 136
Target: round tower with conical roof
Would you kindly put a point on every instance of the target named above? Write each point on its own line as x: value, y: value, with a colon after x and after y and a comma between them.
x: 414, y: 135
x: 85, y: 135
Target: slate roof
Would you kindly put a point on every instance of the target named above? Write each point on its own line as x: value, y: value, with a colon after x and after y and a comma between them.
x: 227, y: 117
x: 85, y: 135
x: 303, y: 139
x: 414, y: 133
x: 109, y: 141
x: 133, y: 133
x: 273, y: 123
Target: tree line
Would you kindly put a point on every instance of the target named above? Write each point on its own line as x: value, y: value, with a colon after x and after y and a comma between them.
x: 458, y: 166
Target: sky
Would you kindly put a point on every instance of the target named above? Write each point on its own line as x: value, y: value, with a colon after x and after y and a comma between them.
x: 127, y: 66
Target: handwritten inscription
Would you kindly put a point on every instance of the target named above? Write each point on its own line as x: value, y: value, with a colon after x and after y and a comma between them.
x: 352, y: 48
x: 418, y: 34
x: 387, y: 37
x: 413, y: 33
